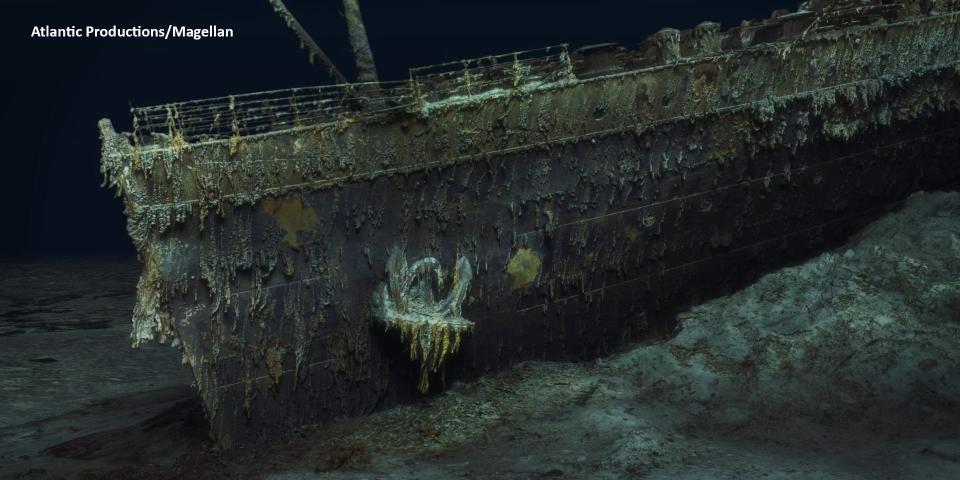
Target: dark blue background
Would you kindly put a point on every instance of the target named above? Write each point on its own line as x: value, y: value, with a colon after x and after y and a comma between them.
x: 55, y: 90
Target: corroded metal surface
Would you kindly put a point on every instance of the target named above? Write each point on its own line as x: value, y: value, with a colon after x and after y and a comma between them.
x: 592, y: 193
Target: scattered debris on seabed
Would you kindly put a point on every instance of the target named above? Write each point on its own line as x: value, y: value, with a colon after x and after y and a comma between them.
x: 844, y: 367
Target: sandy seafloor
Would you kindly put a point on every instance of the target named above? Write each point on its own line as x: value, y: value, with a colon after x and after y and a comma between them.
x: 844, y: 367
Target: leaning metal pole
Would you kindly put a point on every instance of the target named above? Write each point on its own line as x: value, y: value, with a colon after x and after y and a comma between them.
x: 306, y: 41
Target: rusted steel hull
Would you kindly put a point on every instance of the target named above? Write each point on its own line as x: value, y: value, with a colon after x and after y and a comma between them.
x: 590, y: 211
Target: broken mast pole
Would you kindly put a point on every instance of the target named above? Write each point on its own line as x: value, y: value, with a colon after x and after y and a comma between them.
x: 306, y: 41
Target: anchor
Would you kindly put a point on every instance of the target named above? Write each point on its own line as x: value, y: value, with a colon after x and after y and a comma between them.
x: 406, y: 302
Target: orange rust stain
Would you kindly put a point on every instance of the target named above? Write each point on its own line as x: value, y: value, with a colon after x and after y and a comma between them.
x: 293, y: 216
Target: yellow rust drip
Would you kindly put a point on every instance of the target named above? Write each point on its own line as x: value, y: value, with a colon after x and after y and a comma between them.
x: 274, y: 360
x: 178, y: 142
x: 432, y: 347
x: 233, y: 145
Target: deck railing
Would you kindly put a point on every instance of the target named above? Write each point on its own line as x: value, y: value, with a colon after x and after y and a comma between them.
x: 260, y: 112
